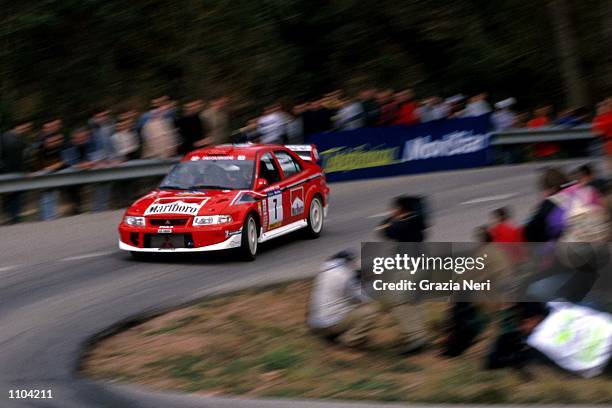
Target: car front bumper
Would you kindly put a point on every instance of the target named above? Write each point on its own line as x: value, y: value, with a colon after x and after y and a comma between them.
x: 214, y: 238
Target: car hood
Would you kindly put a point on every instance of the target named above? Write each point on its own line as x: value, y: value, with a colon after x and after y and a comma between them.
x: 183, y: 203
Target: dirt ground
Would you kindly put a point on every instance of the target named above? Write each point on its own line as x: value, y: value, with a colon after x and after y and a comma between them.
x: 255, y: 343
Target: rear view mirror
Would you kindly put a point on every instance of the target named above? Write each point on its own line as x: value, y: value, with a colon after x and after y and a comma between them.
x: 261, y: 183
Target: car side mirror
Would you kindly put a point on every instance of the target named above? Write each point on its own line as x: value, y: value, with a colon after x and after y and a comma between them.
x: 261, y: 183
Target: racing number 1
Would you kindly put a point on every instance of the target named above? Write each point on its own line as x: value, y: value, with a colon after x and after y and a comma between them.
x: 275, y: 208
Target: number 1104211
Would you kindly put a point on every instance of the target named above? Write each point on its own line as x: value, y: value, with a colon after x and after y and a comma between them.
x: 30, y: 394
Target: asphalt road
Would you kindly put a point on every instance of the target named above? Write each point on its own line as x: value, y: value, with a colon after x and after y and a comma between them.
x: 63, y: 281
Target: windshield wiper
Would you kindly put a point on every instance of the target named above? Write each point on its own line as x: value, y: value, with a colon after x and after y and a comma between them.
x: 170, y: 187
x: 210, y: 187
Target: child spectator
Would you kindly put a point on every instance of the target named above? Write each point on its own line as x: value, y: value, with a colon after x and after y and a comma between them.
x: 502, y: 228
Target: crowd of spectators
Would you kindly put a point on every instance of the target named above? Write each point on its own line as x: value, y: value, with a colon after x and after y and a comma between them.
x: 106, y: 140
x: 166, y: 130
x: 337, y: 110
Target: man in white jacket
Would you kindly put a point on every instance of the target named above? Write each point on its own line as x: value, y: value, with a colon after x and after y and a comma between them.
x: 339, y: 310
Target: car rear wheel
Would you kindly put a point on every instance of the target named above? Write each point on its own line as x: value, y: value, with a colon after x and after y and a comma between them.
x: 248, y: 247
x: 315, y: 218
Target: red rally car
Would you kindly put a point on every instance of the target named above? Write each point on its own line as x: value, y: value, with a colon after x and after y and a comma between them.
x: 229, y: 197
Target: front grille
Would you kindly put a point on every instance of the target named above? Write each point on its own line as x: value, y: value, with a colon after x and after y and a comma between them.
x: 176, y: 240
x: 167, y: 221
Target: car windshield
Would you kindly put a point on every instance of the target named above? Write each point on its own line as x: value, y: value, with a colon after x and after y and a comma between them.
x: 210, y: 174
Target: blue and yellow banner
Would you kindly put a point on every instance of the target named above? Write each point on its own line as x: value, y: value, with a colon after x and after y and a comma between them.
x: 387, y: 151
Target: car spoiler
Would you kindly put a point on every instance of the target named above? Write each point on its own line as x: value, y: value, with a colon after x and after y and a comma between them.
x: 307, y: 152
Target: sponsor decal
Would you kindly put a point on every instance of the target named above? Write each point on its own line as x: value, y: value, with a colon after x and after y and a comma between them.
x: 265, y: 215
x: 220, y: 157
x: 297, y: 201
x: 452, y: 144
x: 175, y: 207
x: 299, y: 148
x: 360, y: 157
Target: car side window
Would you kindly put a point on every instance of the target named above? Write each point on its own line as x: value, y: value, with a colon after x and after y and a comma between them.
x: 289, y: 165
x: 268, y: 169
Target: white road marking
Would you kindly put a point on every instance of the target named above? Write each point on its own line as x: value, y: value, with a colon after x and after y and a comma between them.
x: 85, y: 256
x: 379, y: 215
x: 8, y: 267
x: 497, y: 197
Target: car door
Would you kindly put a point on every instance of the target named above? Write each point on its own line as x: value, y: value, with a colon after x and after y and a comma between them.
x: 273, y: 215
x: 294, y: 190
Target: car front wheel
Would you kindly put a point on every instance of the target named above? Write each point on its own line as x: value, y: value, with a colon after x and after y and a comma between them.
x: 248, y: 247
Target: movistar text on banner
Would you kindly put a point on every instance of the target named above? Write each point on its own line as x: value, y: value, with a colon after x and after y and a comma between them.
x: 385, y: 151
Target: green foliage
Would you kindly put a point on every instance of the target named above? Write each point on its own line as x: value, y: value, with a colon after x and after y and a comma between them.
x: 69, y: 56
x: 281, y: 359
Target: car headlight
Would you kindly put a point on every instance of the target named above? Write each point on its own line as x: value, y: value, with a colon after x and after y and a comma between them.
x: 134, y: 221
x: 212, y: 220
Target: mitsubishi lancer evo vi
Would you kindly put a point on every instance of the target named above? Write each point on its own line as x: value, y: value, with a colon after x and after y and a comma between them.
x: 229, y: 197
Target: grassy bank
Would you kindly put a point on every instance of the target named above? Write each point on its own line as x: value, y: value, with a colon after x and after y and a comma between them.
x: 255, y: 344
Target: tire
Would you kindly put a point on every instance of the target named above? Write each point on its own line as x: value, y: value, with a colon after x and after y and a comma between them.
x: 315, y: 218
x: 248, y: 245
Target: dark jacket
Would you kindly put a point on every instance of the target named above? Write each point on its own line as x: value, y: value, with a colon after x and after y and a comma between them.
x: 543, y: 226
x: 12, y: 153
x: 408, y: 229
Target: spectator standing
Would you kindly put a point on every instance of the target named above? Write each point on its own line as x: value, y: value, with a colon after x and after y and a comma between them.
x: 503, y: 118
x: 51, y: 127
x: 585, y: 176
x: 545, y: 224
x: 568, y: 118
x: 387, y: 108
x: 102, y: 126
x: 79, y: 155
x: 317, y: 118
x: 249, y: 132
x: 407, y: 108
x: 295, y: 127
x: 456, y: 106
x: 216, y: 121
x: 125, y: 140
x: 339, y: 310
x: 159, y: 136
x: 439, y: 108
x: 541, y: 119
x: 369, y: 106
x: 477, y: 106
x: 272, y: 125
x: 13, y: 148
x: 350, y: 115
x: 425, y: 110
x: 50, y: 160
x: 602, y: 124
x: 191, y: 127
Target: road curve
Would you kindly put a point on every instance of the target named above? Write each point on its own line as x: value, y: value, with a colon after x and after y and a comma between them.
x: 64, y: 281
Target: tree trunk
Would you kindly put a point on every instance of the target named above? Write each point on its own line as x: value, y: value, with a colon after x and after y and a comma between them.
x: 567, y: 49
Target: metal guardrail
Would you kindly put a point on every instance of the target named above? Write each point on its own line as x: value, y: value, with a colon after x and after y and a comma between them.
x: 526, y: 136
x: 149, y: 168
x: 69, y: 177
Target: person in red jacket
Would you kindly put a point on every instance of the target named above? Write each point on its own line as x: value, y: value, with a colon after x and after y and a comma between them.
x: 602, y: 124
x: 502, y: 228
x: 407, y: 113
x: 541, y: 119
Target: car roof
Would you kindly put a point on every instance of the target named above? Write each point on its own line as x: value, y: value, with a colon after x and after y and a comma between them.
x: 228, y: 151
